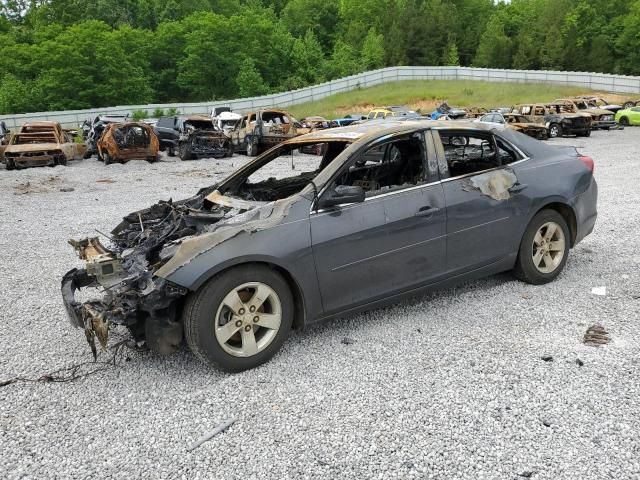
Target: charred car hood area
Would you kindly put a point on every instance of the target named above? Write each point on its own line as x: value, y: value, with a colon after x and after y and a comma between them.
x: 149, y: 245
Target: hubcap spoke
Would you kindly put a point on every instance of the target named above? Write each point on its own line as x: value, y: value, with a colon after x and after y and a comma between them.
x: 538, y: 238
x: 557, y: 246
x: 548, y: 261
x: 249, y: 345
x: 270, y: 321
x: 537, y: 258
x: 259, y: 297
x: 226, y: 331
x: 551, y: 230
x: 233, y: 301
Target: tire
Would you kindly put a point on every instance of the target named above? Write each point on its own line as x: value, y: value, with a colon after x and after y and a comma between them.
x: 171, y: 151
x: 152, y: 159
x: 628, y: 105
x: 555, y: 130
x: 624, y: 121
x: 10, y: 164
x: 87, y: 155
x: 184, y: 152
x: 62, y: 161
x: 205, y: 308
x: 585, y: 133
x: 106, y: 158
x: 252, y: 149
x: 531, y: 265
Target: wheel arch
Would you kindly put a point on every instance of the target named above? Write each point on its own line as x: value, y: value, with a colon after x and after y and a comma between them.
x: 300, y: 310
x: 567, y: 213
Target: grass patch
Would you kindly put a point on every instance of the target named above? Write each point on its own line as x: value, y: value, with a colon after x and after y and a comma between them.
x: 427, y: 94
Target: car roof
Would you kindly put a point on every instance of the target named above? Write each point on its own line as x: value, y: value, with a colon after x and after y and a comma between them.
x: 373, y: 129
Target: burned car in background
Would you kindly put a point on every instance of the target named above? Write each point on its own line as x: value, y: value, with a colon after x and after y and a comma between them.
x: 288, y: 239
x: 225, y: 121
x: 122, y: 142
x: 92, y: 130
x: 261, y: 130
x: 600, y: 118
x: 39, y: 144
x: 556, y: 119
x: 598, y: 102
x: 4, y: 139
x: 517, y: 122
x: 194, y: 136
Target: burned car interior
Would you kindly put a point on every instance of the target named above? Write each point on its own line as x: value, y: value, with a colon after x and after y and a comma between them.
x: 468, y: 153
x: 131, y: 136
x: 388, y: 166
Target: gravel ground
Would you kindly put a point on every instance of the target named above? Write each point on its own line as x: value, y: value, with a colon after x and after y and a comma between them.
x: 449, y: 385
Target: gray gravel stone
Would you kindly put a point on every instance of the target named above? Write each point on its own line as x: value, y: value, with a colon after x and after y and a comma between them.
x: 466, y: 399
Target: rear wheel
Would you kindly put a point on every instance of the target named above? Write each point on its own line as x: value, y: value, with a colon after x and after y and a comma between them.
x: 624, y: 121
x: 171, y: 151
x: 544, y: 248
x: 10, y: 164
x: 240, y: 318
x: 555, y: 130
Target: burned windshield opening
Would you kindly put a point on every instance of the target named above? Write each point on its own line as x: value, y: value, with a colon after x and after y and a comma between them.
x: 287, y: 170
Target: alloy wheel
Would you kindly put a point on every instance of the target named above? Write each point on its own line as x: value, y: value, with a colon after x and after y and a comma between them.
x: 248, y: 319
x: 548, y: 247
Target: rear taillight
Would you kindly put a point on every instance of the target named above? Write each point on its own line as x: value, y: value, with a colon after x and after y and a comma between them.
x: 588, y: 162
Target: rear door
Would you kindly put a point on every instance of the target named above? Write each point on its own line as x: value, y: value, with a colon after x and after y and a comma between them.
x: 391, y: 242
x: 479, y: 184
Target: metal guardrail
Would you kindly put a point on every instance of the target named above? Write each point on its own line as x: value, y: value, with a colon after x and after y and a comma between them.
x: 596, y: 81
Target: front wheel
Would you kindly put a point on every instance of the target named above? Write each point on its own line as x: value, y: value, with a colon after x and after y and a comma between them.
x: 624, y: 121
x: 544, y: 248
x: 184, y: 152
x: 240, y: 318
x: 252, y: 149
x: 555, y: 130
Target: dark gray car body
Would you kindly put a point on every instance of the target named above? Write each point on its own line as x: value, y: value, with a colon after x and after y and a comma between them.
x: 356, y: 256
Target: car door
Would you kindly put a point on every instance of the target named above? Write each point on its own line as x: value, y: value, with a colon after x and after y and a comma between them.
x: 478, y: 189
x: 392, y: 241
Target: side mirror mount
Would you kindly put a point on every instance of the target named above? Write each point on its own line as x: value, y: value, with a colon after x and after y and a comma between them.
x: 340, y: 195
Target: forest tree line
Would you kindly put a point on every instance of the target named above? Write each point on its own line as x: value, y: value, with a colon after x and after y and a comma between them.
x: 74, y: 54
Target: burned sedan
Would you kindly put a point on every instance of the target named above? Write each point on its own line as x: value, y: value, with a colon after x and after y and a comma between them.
x: 122, y: 142
x: 389, y: 208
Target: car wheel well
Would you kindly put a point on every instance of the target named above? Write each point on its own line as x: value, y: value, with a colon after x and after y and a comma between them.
x: 299, y: 318
x: 568, y: 214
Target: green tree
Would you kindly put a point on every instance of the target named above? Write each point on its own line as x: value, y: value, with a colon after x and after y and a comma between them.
x: 495, y: 47
x: 372, y: 53
x: 451, y: 56
x: 250, y: 81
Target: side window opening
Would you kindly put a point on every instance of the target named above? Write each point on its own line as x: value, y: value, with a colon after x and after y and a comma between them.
x: 506, y: 152
x: 387, y: 167
x: 468, y: 152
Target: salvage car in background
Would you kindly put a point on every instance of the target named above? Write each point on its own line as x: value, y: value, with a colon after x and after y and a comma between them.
x: 600, y: 118
x: 599, y: 102
x: 194, y: 136
x: 122, y: 142
x: 391, y: 112
x: 40, y: 144
x: 258, y: 131
x: 556, y: 120
x: 388, y: 209
x: 629, y: 116
x: 517, y: 122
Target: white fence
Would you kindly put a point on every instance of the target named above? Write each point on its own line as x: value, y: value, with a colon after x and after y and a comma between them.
x: 596, y: 81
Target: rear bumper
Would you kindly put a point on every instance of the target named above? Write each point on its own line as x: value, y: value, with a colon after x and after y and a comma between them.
x: 585, y: 207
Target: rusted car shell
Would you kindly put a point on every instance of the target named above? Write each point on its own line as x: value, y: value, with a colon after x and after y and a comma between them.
x: 40, y: 144
x: 122, y: 142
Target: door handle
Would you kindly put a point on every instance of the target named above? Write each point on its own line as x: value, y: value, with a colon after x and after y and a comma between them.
x: 518, y: 187
x: 426, y: 211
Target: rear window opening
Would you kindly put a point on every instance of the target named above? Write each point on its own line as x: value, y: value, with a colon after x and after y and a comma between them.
x: 130, y: 137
